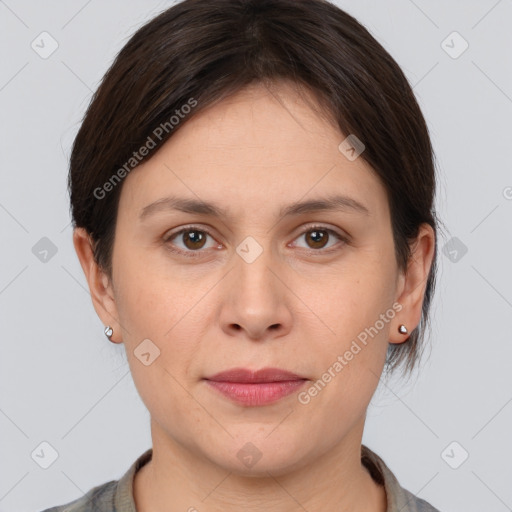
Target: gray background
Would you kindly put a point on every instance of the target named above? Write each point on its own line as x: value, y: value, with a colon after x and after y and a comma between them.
x: 63, y: 383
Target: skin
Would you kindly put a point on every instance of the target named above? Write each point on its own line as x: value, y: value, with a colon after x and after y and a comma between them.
x: 297, y: 306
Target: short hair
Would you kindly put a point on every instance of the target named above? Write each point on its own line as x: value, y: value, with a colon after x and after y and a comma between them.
x: 199, y: 52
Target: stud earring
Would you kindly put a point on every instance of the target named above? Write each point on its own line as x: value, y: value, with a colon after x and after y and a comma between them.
x: 402, y: 329
x: 108, y: 332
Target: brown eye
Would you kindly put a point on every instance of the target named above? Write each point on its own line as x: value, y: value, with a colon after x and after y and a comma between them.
x: 193, y: 239
x: 317, y: 238
x: 190, y: 241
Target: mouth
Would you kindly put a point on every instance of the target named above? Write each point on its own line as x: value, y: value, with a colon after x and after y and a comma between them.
x: 256, y: 388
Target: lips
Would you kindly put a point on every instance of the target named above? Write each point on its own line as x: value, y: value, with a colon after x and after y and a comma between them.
x: 242, y: 375
x: 255, y: 388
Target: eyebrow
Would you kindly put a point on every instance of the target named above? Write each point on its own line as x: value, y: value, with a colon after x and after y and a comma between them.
x: 331, y: 203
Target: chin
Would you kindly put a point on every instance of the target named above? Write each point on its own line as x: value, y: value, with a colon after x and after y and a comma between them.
x: 261, y: 454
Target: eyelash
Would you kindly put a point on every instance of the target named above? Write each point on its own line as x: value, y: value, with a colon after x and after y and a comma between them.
x: 199, y: 252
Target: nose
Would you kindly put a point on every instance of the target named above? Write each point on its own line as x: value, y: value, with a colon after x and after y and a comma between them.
x: 255, y: 300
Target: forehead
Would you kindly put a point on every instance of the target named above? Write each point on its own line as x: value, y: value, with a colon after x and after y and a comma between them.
x: 256, y: 147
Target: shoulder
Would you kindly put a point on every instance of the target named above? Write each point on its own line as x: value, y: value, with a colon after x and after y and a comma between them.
x: 416, y: 504
x: 112, y: 496
x: 399, y: 499
x: 99, y: 498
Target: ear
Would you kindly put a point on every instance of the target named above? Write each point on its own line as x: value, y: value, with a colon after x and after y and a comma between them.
x: 413, y: 283
x: 100, y: 286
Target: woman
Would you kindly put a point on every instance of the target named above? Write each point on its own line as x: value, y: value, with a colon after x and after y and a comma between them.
x: 252, y: 193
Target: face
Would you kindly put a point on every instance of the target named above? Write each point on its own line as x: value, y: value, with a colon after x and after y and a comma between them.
x: 257, y: 283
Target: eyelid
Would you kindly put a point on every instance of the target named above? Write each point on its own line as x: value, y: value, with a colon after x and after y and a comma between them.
x: 183, y: 229
x: 343, y: 237
x: 325, y: 227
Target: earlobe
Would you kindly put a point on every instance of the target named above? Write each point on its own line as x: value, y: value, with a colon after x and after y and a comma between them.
x: 413, y: 284
x: 100, y: 286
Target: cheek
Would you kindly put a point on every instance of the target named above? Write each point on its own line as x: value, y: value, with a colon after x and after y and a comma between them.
x: 351, y: 298
x: 152, y: 306
x: 150, y: 299
x: 357, y: 308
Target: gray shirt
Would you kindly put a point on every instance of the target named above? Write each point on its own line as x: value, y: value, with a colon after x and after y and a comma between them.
x: 117, y: 495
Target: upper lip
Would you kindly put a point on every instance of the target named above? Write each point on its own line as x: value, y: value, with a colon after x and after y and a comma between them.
x: 255, y: 376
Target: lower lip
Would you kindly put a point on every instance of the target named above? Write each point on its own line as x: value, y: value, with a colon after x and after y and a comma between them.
x: 257, y: 393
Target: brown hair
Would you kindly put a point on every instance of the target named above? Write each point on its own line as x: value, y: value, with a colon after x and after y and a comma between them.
x: 198, y: 52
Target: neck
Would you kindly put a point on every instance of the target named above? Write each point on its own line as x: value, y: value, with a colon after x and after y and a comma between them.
x: 179, y: 478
